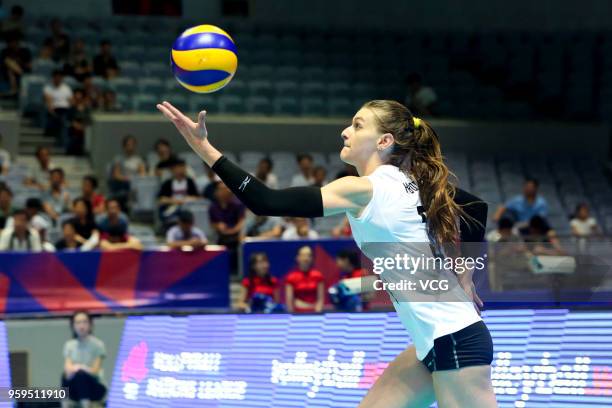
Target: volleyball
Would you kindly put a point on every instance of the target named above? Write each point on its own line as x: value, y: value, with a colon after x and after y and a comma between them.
x: 204, y: 58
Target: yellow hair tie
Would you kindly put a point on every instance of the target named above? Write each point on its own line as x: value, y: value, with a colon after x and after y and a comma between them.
x: 417, y: 122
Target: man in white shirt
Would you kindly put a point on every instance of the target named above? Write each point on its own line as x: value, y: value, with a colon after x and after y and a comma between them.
x: 58, y: 100
x: 299, y: 228
x: 304, y: 177
x: 20, y: 237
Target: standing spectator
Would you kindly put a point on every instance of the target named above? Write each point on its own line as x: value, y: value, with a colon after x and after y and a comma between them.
x: 299, y: 228
x: 264, y: 173
x: 260, y: 290
x: 165, y: 159
x: 79, y: 118
x: 78, y: 64
x: 69, y: 241
x: 304, y: 286
x: 113, y: 217
x: 84, y: 354
x: 421, y: 99
x: 583, y: 224
x: 14, y: 26
x: 58, y: 100
x: 184, y: 234
x: 20, y: 237
x: 349, y: 265
x: 39, y: 175
x: 60, y: 42
x: 319, y: 176
x: 175, y: 192
x: 227, y: 217
x: 116, y: 238
x: 105, y: 64
x: 16, y: 61
x: 89, y: 186
x: 125, y: 168
x: 304, y: 177
x: 56, y: 200
x: 6, y: 205
x: 523, y: 208
x: 84, y: 224
x: 5, y: 159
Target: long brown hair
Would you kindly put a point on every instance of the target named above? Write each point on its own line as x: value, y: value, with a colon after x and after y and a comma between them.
x: 417, y: 152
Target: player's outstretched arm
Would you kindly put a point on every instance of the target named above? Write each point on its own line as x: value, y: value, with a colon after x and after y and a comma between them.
x: 345, y: 194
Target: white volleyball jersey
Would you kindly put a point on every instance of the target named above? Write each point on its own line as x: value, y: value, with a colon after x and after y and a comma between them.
x: 392, y: 216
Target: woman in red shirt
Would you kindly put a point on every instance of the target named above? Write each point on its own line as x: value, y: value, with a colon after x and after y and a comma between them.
x: 304, y: 287
x: 259, y: 281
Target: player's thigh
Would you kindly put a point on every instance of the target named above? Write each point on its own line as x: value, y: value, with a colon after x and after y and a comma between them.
x: 464, y: 387
x: 405, y: 383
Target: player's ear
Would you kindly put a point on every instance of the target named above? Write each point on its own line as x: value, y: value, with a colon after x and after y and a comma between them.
x: 385, y: 141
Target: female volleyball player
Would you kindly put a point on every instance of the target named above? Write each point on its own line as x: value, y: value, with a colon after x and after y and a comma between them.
x: 393, y: 152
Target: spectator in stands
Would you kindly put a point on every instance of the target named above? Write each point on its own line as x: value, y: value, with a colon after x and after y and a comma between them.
x: 69, y: 241
x: 185, y: 234
x: 46, y: 50
x: 319, y: 176
x: 59, y: 41
x: 227, y: 217
x: 20, y: 236
x: 85, y: 225
x: 304, y: 177
x: 109, y: 102
x: 262, y: 226
x: 39, y: 175
x: 5, y: 159
x: 207, y: 182
x: 6, y: 205
x: 348, y: 170
x: 175, y: 192
x: 583, y: 224
x: 304, y: 286
x: 105, y: 64
x: 504, y: 232
x: 84, y: 354
x: 541, y: 239
x: 58, y: 100
x: 342, y: 230
x: 113, y: 217
x: 93, y: 93
x: 125, y: 168
x: 264, y: 173
x: 349, y: 265
x: 260, y: 290
x: 165, y: 159
x: 78, y: 64
x: 14, y: 26
x: 79, y: 118
x: 89, y: 185
x: 421, y: 99
x: 56, y: 200
x: 522, y: 208
x: 117, y: 238
x: 299, y: 228
x: 16, y: 61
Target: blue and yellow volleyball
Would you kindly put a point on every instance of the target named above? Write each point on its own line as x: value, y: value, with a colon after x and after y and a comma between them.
x: 204, y: 58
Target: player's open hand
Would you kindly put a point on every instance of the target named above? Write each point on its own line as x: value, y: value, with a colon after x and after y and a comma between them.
x: 194, y: 133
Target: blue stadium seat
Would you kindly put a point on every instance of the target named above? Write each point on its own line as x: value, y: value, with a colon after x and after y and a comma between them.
x: 313, y: 89
x: 145, y: 102
x: 286, y: 106
x: 340, y: 107
x: 43, y: 67
x: 231, y: 104
x: 177, y: 99
x: 261, y: 88
x: 313, y: 107
x: 157, y: 69
x: 287, y: 89
x: 130, y: 69
x: 339, y: 90
x: 146, y: 189
x: 198, y: 102
x: 287, y: 73
x: 259, y: 105
x: 134, y: 52
x: 31, y: 97
x: 236, y: 87
x: 151, y: 85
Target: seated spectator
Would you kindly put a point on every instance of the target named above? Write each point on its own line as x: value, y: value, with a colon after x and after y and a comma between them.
x: 20, y: 237
x: 319, y: 176
x: 262, y: 226
x: 105, y: 64
x: 349, y: 265
x: 304, y: 286
x: 16, y: 61
x: 522, y: 208
x: 421, y: 99
x: 126, y: 166
x: 56, y: 200
x: 109, y: 102
x: 165, y: 159
x: 5, y: 159
x: 14, y: 26
x: 583, y: 224
x: 299, y: 228
x: 116, y: 238
x: 92, y: 92
x: 184, y: 234
x: 227, y: 217
x: 84, y: 354
x: 89, y: 186
x: 207, y: 182
x: 175, y: 192
x: 69, y: 241
x: 260, y: 290
x: 6, y: 205
x: 541, y: 239
x: 87, y: 230
x: 342, y: 230
x: 78, y: 64
x: 264, y: 173
x: 46, y: 51
x: 58, y: 100
x: 60, y: 42
x: 79, y: 118
x: 39, y: 175
x: 504, y: 232
x: 113, y: 217
x: 304, y: 177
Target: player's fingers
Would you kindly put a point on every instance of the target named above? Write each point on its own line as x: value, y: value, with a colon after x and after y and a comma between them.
x: 176, y: 112
x: 202, y: 117
x: 165, y: 112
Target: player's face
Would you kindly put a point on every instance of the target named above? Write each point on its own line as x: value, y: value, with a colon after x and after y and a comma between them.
x: 360, y: 138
